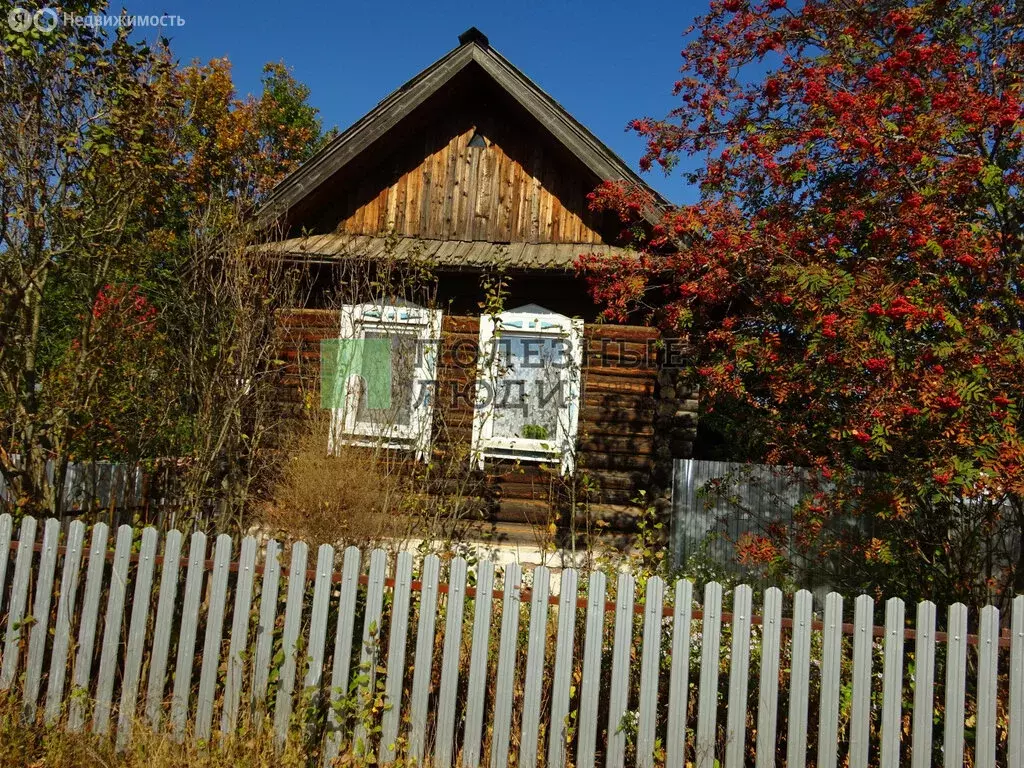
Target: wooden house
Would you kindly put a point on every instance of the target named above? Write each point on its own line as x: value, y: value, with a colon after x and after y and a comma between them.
x: 473, y: 173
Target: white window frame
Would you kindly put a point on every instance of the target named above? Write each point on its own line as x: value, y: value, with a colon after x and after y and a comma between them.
x: 530, y: 320
x: 356, y: 320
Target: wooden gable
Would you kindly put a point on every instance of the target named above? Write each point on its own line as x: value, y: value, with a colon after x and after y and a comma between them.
x: 469, y: 150
x: 511, y: 189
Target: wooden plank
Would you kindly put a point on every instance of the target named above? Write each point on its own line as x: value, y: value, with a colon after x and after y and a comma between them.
x: 109, y: 651
x: 214, y: 636
x: 768, y: 696
x: 423, y: 660
x: 956, y: 686
x: 136, y: 636
x: 860, y: 711
x: 6, y: 528
x: 370, y: 651
x: 988, y: 684
x: 162, y: 629
x: 649, y: 662
x: 66, y: 607
x: 477, y: 682
x: 41, y: 618
x: 87, y: 627
x: 399, y: 633
x: 349, y: 592
x: 892, y: 683
x: 562, y: 675
x: 317, y: 638
x: 800, y: 671
x: 187, y: 634
x: 707, y: 702
x: 18, y: 602
x: 678, y: 688
x: 265, y: 628
x: 290, y: 641
x: 239, y: 645
x: 590, y: 689
x: 448, y: 690
x: 1015, y: 742
x: 924, y: 685
x: 831, y: 659
x: 533, y: 680
x: 618, y: 693
x: 739, y: 674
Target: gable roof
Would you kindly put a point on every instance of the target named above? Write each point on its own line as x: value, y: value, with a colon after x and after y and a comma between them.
x: 473, y: 49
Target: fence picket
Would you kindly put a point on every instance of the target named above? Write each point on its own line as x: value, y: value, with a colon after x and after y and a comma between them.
x: 924, y: 683
x: 62, y: 626
x: 396, y: 657
x: 532, y: 682
x: 1015, y: 745
x: 649, y: 661
x: 956, y: 686
x: 618, y: 692
x: 560, y: 677
x: 112, y: 630
x: 988, y: 662
x: 239, y: 635
x: 6, y: 527
x: 504, y: 684
x: 18, y: 602
x: 768, y: 695
x: 799, y: 680
x: 87, y: 627
x: 183, y: 667
x: 477, y: 682
x: 136, y: 636
x: 590, y: 690
x: 739, y: 672
x: 892, y: 683
x: 318, y: 618
x: 370, y: 651
x: 166, y: 605
x: 342, y: 650
x: 423, y: 660
x: 678, y: 687
x: 707, y: 702
x: 831, y: 659
x: 269, y: 589
x: 290, y: 641
x: 445, y: 732
x: 860, y: 711
x: 41, y: 617
x: 214, y: 636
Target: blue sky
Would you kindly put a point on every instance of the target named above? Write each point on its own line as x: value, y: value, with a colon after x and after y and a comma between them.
x: 606, y: 62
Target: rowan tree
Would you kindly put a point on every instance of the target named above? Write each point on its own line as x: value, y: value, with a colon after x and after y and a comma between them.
x: 851, y: 274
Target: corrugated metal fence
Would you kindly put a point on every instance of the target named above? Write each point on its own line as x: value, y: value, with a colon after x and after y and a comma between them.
x: 91, y: 485
x: 103, y: 638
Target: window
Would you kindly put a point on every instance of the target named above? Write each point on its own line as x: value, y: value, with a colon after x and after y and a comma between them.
x: 528, y: 387
x: 386, y: 362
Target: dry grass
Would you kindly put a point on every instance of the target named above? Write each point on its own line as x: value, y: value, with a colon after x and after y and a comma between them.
x: 34, y: 745
x: 355, y: 496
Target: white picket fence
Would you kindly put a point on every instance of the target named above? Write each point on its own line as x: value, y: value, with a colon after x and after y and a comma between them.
x: 666, y: 681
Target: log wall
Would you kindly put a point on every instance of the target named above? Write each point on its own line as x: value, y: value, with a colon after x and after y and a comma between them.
x: 618, y: 449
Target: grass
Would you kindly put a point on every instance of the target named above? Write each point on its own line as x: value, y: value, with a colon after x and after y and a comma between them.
x: 33, y: 745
